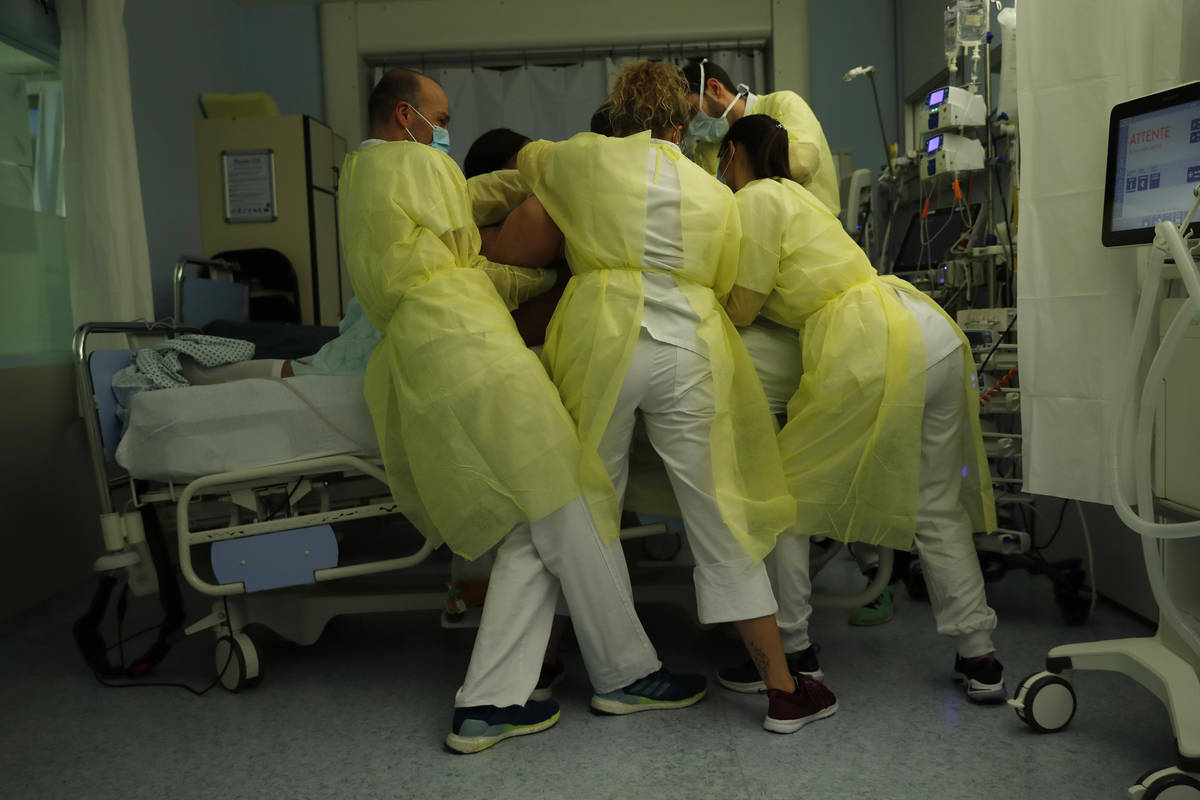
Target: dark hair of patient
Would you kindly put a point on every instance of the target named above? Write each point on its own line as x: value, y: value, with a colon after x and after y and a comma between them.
x: 492, y: 151
x: 600, y: 122
x: 765, y: 143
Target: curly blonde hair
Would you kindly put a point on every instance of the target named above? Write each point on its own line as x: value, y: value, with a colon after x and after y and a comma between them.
x: 649, y: 95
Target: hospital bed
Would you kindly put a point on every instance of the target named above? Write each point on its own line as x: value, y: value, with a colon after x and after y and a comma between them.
x: 261, y: 478
x: 254, y: 475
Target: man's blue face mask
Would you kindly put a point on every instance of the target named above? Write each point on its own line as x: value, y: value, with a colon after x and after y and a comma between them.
x: 441, y: 136
x: 704, y: 128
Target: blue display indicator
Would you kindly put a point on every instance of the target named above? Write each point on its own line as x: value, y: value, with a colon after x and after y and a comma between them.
x: 936, y: 98
x: 933, y: 145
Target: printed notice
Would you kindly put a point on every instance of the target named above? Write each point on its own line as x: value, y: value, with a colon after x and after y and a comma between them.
x: 249, y: 185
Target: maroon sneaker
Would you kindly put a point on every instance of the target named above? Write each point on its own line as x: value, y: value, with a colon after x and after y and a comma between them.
x: 789, y: 712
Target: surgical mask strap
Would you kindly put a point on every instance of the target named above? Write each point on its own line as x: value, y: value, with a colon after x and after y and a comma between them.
x: 422, y: 116
x: 721, y: 172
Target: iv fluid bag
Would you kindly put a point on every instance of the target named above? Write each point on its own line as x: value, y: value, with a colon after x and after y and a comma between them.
x: 972, y: 22
x: 950, y: 32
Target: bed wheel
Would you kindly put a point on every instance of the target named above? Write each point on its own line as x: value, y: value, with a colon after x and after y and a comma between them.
x: 237, y: 656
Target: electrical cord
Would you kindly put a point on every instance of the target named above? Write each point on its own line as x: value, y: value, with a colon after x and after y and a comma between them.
x: 167, y: 685
x: 1062, y: 515
x: 1012, y: 263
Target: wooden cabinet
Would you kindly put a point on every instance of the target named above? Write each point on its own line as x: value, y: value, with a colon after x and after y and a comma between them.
x: 305, y: 158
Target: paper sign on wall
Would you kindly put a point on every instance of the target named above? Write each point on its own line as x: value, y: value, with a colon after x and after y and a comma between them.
x: 249, y: 177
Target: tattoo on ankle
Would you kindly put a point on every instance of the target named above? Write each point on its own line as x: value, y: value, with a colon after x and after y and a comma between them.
x: 759, y: 656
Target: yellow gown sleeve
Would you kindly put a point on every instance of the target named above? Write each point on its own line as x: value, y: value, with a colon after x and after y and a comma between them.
x: 515, y: 285
x: 705, y: 156
x: 495, y: 194
x: 532, y: 160
x: 728, y: 261
x: 804, y: 160
x: 764, y: 219
x: 808, y: 151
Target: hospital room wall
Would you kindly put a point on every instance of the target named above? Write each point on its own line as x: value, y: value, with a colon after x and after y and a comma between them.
x: 50, y: 530
x: 177, y: 51
x: 841, y: 41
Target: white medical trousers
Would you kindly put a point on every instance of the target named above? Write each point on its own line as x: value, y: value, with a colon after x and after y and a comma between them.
x: 944, y: 538
x: 563, y: 550
x: 673, y: 388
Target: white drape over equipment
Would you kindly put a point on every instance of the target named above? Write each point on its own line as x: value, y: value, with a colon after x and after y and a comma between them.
x: 109, y: 257
x: 1076, y: 299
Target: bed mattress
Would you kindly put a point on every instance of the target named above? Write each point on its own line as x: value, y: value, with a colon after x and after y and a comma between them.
x: 184, y: 433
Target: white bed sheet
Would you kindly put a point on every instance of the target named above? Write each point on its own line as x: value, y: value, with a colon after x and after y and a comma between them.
x: 180, y: 434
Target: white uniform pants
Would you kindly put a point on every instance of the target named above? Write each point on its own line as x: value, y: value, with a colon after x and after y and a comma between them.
x: 672, y: 387
x: 532, y: 563
x: 943, y: 538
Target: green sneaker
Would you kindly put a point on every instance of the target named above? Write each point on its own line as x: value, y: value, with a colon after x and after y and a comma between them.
x: 876, y: 612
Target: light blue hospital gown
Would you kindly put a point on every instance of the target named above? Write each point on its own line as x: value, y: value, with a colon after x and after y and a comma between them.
x: 349, y: 352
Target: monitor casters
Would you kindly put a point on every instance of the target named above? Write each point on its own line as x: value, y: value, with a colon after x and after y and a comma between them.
x: 1045, y: 702
x: 1166, y: 784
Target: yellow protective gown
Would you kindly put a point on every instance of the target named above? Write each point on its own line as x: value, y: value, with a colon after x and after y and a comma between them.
x: 472, y: 433
x: 594, y: 188
x: 495, y: 194
x: 852, y: 444
x: 790, y: 110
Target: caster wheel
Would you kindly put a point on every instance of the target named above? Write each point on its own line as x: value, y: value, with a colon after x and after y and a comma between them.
x: 1166, y: 784
x: 237, y: 662
x: 1045, y: 702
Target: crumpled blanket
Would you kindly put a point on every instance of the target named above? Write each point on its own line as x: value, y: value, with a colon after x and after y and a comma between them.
x: 159, y: 367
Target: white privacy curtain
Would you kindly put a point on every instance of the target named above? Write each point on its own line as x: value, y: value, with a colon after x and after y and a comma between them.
x: 1076, y: 299
x: 106, y: 229
x: 744, y: 66
x: 552, y: 102
x: 537, y: 101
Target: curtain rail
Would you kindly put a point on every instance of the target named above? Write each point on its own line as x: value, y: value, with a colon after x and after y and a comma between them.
x: 547, y: 56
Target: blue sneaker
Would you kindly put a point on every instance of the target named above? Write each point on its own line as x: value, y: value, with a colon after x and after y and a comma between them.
x: 477, y: 728
x: 658, y: 690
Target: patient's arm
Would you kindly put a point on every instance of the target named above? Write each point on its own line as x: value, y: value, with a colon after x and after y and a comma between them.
x: 529, y: 238
x: 742, y: 305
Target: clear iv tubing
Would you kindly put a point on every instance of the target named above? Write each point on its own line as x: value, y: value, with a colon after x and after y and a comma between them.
x: 1154, y: 533
x: 1142, y: 521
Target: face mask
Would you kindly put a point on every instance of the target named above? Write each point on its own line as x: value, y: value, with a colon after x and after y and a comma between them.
x: 441, y: 136
x: 721, y: 172
x: 704, y: 128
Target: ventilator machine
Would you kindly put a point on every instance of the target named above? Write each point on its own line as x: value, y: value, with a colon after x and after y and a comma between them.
x: 1152, y: 194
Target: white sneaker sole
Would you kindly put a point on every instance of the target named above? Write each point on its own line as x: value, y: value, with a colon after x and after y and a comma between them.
x: 473, y: 744
x: 758, y: 687
x: 605, y: 706
x: 793, y: 725
x: 981, y: 692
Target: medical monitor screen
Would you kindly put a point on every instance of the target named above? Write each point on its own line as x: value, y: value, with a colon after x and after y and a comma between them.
x: 936, y: 98
x: 933, y: 144
x: 1153, y: 164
